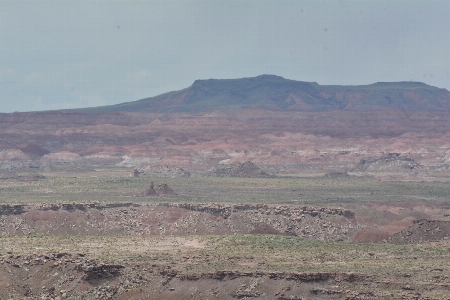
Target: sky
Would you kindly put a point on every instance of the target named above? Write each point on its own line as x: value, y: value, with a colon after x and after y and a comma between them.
x: 72, y: 54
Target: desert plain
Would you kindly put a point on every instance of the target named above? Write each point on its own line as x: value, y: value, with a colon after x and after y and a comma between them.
x: 290, y: 190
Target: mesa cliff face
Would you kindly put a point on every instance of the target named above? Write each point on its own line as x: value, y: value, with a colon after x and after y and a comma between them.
x: 283, y: 126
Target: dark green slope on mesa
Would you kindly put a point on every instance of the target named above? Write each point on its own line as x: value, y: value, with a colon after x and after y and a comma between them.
x: 277, y: 93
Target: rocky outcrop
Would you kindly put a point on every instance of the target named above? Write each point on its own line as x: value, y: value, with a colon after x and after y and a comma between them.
x: 80, y: 206
x: 75, y: 275
x: 94, y: 270
x: 296, y: 276
x: 422, y: 231
x: 305, y: 221
x: 150, y: 191
x: 7, y: 209
x: 225, y: 210
x: 178, y: 219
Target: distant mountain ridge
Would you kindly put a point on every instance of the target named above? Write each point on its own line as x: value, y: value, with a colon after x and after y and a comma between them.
x: 277, y: 93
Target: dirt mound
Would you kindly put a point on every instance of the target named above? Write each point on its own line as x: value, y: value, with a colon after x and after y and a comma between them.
x: 161, y: 189
x: 371, y: 235
x: 392, y: 162
x: 423, y: 231
x: 245, y: 169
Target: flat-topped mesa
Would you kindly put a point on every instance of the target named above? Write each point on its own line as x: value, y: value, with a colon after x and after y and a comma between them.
x: 277, y: 93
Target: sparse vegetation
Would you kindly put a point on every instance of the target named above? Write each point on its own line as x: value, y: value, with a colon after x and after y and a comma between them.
x: 113, y: 186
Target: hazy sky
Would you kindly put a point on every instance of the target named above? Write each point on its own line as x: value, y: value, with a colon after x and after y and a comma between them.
x: 68, y: 54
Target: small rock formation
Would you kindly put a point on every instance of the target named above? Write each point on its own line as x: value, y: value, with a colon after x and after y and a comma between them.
x: 161, y: 189
x: 164, y: 189
x: 150, y: 191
